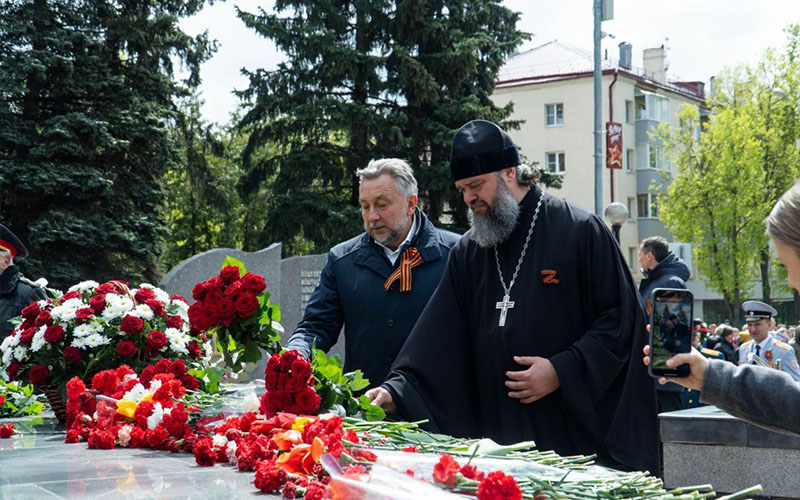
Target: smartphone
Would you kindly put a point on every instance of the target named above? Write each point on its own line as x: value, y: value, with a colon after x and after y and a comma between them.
x: 671, y: 313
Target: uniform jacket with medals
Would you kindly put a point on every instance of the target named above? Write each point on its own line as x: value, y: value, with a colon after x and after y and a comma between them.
x: 16, y: 292
x: 772, y: 351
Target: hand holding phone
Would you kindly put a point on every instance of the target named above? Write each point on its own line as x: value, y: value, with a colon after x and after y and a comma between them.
x: 670, y: 330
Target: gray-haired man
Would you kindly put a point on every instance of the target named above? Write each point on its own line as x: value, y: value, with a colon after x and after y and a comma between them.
x: 378, y: 283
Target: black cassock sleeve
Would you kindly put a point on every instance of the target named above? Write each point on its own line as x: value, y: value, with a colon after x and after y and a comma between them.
x: 431, y: 379
x: 603, y: 380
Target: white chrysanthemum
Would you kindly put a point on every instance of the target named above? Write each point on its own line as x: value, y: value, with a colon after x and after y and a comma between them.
x: 124, y: 435
x: 207, y: 352
x: 177, y: 340
x: 20, y: 353
x: 9, y: 342
x: 251, y: 403
x: 136, y: 393
x: 8, y: 356
x: 84, y: 286
x: 38, y: 339
x: 116, y: 306
x: 83, y: 330
x: 219, y: 441
x: 142, y: 311
x: 230, y: 450
x: 79, y: 342
x: 181, y: 309
x: 161, y: 296
x: 96, y: 340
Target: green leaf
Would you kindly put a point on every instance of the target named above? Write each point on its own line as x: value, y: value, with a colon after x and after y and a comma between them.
x: 231, y: 261
x: 251, y: 354
x: 329, y: 371
x: 358, y: 382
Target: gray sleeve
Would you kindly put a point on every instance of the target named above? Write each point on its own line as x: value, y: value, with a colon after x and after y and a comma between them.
x: 760, y: 395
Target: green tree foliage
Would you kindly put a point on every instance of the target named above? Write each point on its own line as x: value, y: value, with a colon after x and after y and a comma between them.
x: 365, y: 80
x: 732, y: 170
x: 88, y: 92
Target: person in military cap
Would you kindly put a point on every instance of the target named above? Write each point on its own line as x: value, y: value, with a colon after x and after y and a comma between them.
x: 775, y: 353
x: 16, y: 291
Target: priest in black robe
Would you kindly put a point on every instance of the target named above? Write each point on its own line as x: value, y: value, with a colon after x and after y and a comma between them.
x: 536, y: 329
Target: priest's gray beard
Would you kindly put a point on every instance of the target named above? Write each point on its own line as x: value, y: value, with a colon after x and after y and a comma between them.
x: 496, y: 224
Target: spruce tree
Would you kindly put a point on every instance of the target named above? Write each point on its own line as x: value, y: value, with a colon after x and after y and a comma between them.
x: 88, y: 90
x: 365, y: 80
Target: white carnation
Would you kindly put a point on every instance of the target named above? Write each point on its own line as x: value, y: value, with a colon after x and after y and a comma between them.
x: 38, y: 339
x: 156, y: 417
x: 142, y: 311
x: 84, y: 286
x: 124, y: 435
x: 219, y: 441
x: 230, y: 450
x: 155, y: 385
x: 136, y: 393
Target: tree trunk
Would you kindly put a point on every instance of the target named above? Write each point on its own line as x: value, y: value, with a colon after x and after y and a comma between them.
x: 796, y: 306
x: 359, y: 131
x: 764, y: 267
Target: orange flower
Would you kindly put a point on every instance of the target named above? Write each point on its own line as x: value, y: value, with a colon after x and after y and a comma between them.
x: 301, y: 458
x: 287, y: 440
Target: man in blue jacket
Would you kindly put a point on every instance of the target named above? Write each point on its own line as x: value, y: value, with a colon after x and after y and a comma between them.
x: 378, y: 283
x: 662, y: 269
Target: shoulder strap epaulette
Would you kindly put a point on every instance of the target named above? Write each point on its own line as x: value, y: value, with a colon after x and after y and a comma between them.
x: 710, y: 352
x: 781, y: 345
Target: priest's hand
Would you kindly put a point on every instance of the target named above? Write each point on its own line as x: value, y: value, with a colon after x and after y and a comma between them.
x: 539, y: 380
x: 381, y: 397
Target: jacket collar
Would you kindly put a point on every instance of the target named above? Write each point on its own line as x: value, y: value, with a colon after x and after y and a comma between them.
x: 427, y: 241
x: 9, y: 280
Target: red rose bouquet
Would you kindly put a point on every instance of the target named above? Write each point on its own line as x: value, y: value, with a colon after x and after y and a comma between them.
x: 95, y: 327
x: 290, y: 387
x: 234, y: 307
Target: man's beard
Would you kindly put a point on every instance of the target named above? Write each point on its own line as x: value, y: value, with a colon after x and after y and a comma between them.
x: 393, y: 234
x: 496, y: 224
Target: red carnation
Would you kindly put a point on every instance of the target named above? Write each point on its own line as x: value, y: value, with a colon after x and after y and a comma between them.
x: 98, y: 303
x: 38, y: 374
x: 144, y: 294
x: 156, y: 306
x: 143, y: 410
x: 204, y: 454
x: 253, y: 283
x: 54, y: 334
x: 316, y: 491
x: 105, y: 382
x: 131, y: 324
x: 410, y: 449
x: 445, y: 470
x: 44, y: 318
x: 157, y: 438
x: 269, y: 479
x: 229, y: 274
x: 26, y: 337
x: 138, y: 438
x: 31, y: 311
x: 73, y: 436
x: 246, y: 305
x: 126, y: 349
x: 308, y: 401
x: 6, y: 431
x: 13, y: 369
x: 174, y: 322
x: 75, y: 387
x: 101, y: 440
x: 72, y: 354
x: 471, y: 472
x: 497, y: 486
x: 156, y: 340
x: 163, y: 366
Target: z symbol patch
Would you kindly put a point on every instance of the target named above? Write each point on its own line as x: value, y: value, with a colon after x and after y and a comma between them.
x: 549, y: 277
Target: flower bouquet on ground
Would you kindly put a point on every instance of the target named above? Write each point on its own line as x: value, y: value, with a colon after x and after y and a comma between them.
x: 234, y: 307
x: 18, y: 400
x: 96, y: 327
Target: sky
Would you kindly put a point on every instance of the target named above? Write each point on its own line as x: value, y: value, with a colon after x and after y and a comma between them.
x: 701, y: 36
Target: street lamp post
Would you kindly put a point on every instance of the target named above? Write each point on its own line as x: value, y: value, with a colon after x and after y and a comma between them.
x: 615, y: 214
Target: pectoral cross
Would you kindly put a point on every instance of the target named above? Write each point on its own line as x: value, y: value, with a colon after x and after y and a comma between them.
x: 504, y: 305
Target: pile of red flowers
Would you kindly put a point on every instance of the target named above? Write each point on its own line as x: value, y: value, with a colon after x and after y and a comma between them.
x: 226, y: 298
x: 290, y: 386
x: 494, y: 486
x: 129, y: 410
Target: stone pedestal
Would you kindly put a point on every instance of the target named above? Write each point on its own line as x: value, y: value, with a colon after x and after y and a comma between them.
x: 706, y: 445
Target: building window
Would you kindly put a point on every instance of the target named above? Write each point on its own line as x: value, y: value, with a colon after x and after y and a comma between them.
x: 554, y: 114
x: 655, y: 156
x: 630, y: 159
x: 555, y: 162
x: 652, y: 107
x: 628, y: 111
x: 647, y: 205
x: 631, y: 201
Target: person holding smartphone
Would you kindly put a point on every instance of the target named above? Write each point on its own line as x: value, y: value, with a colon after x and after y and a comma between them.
x: 762, y: 396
